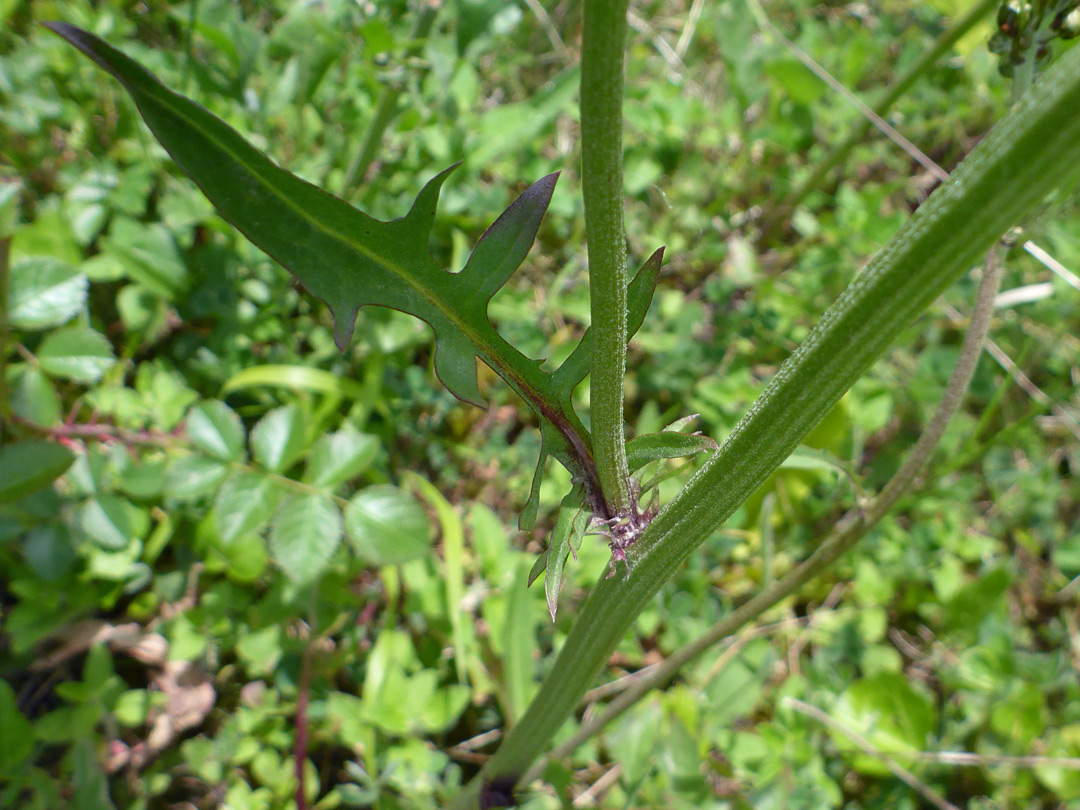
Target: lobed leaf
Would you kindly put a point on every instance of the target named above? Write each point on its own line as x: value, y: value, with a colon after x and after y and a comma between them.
x: 349, y: 259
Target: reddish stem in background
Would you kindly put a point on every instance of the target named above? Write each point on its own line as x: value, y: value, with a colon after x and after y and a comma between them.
x: 300, y: 749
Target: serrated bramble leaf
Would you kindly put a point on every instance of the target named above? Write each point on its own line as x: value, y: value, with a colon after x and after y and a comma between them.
x: 44, y: 292
x: 76, y: 353
x: 243, y: 504
x: 111, y: 521
x: 279, y: 438
x: 215, y: 428
x: 339, y: 457
x: 305, y: 533
x: 387, y: 526
x: 189, y: 477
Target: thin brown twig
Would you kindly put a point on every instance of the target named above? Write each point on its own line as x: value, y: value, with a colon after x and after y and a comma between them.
x: 550, y: 31
x: 588, y: 798
x: 689, y: 28
x: 966, y: 758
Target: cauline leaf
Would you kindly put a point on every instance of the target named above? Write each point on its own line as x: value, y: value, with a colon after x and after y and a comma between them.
x: 348, y: 259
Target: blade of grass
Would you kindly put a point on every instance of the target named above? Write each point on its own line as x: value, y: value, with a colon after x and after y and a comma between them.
x: 296, y: 378
x: 453, y: 543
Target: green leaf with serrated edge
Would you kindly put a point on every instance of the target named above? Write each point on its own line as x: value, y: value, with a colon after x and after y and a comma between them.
x: 279, y: 438
x: 30, y: 465
x: 110, y: 521
x: 190, y: 477
x: 565, y: 538
x: 348, y: 259
x: 568, y: 376
x: 76, y: 353
x: 243, y: 504
x: 215, y: 428
x: 640, y: 450
x: 338, y: 457
x: 44, y: 292
x: 305, y: 533
x: 387, y: 526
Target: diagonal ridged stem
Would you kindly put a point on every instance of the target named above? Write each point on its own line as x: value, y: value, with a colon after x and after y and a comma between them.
x: 851, y: 528
x: 1033, y: 150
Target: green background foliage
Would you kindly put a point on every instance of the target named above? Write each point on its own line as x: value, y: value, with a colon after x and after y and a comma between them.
x: 246, y: 515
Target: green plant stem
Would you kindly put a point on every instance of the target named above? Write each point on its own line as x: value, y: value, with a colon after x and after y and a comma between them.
x: 386, y: 107
x: 1033, y: 150
x: 839, y: 153
x: 602, y: 53
x: 851, y: 528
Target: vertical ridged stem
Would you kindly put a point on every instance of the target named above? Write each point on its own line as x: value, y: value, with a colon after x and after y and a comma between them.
x: 603, y: 48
